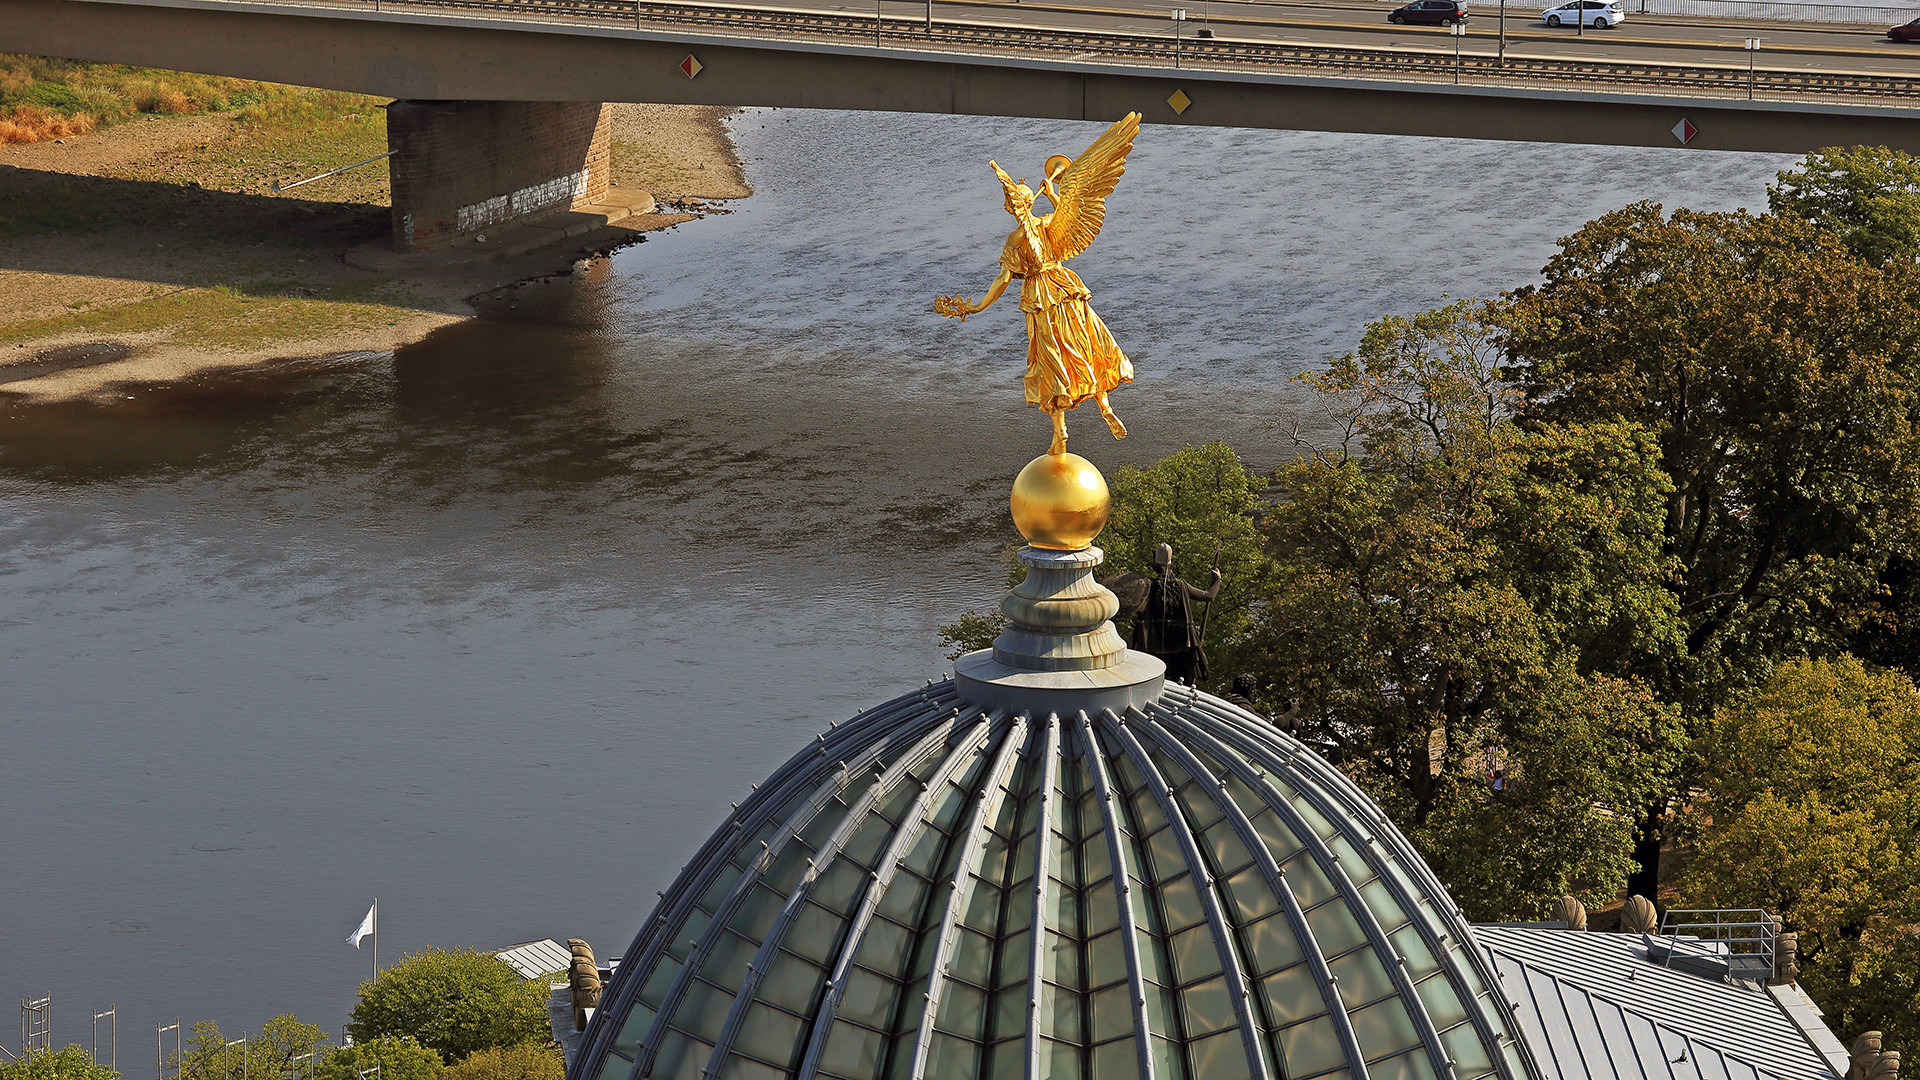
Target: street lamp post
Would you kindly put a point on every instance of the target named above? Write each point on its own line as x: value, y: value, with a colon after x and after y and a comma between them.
x: 1503, y: 34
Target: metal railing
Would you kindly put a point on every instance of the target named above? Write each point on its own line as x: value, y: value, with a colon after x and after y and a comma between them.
x: 1777, y: 10
x: 1735, y: 943
x: 955, y: 31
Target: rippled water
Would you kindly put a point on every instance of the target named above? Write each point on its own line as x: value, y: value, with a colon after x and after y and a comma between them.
x: 493, y: 628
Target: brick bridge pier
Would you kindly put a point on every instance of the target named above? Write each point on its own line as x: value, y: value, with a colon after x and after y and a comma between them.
x: 474, y: 180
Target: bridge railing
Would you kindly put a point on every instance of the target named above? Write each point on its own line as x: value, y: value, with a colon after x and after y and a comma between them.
x: 1876, y: 15
x: 1776, y: 10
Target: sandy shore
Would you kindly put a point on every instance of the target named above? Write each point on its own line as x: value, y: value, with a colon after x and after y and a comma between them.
x: 150, y: 251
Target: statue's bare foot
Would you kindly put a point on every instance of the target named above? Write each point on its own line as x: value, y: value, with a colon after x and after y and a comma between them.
x: 1059, y: 446
x: 1114, y: 425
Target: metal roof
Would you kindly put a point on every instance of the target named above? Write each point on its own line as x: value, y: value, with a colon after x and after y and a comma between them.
x: 1593, y: 1007
x: 1217, y: 902
x: 535, y: 959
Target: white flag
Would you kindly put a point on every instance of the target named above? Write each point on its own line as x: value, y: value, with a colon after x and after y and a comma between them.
x: 366, y: 927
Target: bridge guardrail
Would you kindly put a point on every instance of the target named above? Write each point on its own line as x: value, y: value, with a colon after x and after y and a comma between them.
x: 949, y: 34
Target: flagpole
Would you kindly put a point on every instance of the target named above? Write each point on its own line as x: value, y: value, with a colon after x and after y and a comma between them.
x: 376, y: 937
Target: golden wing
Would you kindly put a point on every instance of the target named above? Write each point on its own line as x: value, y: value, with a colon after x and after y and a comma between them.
x: 1081, y: 205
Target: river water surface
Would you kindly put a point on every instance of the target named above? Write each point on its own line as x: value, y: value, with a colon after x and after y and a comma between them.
x: 495, y: 627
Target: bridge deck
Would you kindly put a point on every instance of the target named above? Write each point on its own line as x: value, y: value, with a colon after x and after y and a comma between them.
x: 1325, y: 65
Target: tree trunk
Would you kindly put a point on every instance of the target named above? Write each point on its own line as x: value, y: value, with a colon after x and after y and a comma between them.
x: 1647, y: 835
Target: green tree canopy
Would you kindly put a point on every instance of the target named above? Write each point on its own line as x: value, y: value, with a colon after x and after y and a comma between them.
x: 281, y: 1048
x: 528, y: 1061
x: 1867, y: 197
x: 1812, y: 811
x: 452, y: 1002
x: 396, y: 1058
x: 1773, y: 368
x: 1439, y: 575
x: 1201, y: 501
x: 73, y: 1063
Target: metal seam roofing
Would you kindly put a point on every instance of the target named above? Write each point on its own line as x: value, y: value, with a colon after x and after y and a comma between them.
x: 1592, y: 1007
x: 1212, y: 901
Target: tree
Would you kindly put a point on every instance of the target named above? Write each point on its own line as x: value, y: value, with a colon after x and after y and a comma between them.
x: 1202, y: 501
x: 73, y: 1063
x: 452, y: 1002
x: 1812, y: 811
x: 524, y: 1062
x: 1443, y: 583
x: 395, y: 1058
x: 971, y: 632
x: 279, y: 1050
x: 1773, y: 368
x: 1868, y: 197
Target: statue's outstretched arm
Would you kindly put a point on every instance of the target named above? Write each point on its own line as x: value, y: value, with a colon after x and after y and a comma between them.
x: 1205, y: 594
x: 960, y: 307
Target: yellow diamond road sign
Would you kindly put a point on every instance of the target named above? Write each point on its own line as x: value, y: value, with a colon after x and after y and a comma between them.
x: 691, y: 66
x: 1179, y: 101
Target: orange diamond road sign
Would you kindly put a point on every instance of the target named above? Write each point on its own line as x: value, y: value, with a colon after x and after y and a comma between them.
x: 1179, y: 101
x: 1685, y: 131
x: 691, y: 66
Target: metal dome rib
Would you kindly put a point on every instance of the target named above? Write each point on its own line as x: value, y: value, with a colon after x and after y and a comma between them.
x: 936, y: 890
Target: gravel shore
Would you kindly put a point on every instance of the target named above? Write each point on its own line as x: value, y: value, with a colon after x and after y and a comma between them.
x: 154, y: 250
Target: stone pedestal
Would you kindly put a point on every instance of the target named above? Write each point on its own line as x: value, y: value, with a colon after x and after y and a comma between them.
x: 1059, y: 650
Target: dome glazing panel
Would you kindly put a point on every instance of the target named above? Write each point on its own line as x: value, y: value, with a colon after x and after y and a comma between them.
x: 937, y: 890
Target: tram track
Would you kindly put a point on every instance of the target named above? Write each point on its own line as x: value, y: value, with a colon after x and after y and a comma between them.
x: 947, y: 33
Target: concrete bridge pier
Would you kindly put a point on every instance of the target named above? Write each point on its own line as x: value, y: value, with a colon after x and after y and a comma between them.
x: 474, y: 180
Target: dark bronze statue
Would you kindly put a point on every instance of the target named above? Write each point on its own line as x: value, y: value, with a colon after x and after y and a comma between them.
x: 1163, y: 623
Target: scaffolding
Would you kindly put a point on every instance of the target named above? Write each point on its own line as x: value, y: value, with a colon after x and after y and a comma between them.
x: 36, y: 1026
x: 113, y: 1037
x: 160, y: 1053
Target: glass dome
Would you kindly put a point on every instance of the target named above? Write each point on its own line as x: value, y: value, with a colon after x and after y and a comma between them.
x: 936, y: 889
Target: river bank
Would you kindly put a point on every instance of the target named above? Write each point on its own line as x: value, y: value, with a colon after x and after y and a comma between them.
x: 155, y: 250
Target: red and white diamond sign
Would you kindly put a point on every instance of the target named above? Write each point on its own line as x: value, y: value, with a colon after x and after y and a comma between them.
x: 691, y: 66
x: 1684, y: 130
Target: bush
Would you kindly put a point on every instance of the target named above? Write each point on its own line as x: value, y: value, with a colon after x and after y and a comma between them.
x: 73, y: 1063
x: 274, y: 1051
x: 527, y: 1061
x: 397, y: 1059
x: 454, y: 1003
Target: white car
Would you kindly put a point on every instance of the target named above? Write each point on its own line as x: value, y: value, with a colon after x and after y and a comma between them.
x: 1598, y: 14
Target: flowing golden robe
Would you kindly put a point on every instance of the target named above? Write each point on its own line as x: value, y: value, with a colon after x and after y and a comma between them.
x: 1070, y: 355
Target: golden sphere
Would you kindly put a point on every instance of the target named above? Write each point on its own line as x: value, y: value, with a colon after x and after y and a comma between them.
x: 1060, y: 502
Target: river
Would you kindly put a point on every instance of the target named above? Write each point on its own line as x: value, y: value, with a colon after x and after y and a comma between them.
x: 494, y: 627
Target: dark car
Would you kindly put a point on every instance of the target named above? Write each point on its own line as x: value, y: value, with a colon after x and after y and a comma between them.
x: 1430, y: 13
x: 1906, y: 32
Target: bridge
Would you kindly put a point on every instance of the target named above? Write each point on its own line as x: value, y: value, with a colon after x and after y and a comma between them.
x: 496, y: 115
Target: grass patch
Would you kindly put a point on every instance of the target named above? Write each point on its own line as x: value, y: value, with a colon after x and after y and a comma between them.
x: 43, y: 97
x: 280, y: 133
x: 223, y: 316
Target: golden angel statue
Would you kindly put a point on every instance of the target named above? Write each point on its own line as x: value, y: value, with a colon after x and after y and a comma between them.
x: 1070, y: 355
